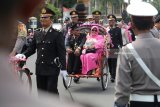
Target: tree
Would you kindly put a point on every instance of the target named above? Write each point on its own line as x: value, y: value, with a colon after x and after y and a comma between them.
x: 68, y: 3
x: 114, y: 3
x: 156, y: 3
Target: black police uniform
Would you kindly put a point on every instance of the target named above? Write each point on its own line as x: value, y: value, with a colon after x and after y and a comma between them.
x: 74, y: 62
x: 116, y: 37
x: 97, y: 13
x: 69, y: 25
x: 48, y: 47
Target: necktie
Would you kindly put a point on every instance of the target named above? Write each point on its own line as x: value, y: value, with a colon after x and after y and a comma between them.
x: 44, y: 32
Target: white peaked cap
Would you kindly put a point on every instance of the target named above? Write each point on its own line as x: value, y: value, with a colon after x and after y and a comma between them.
x: 141, y: 9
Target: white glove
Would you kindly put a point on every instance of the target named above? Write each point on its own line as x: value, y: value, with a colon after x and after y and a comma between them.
x: 83, y: 51
x: 64, y: 74
x: 21, y: 56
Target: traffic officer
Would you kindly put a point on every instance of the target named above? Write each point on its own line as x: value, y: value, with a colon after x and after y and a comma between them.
x: 132, y: 83
x: 97, y: 16
x: 116, y: 38
x: 49, y: 44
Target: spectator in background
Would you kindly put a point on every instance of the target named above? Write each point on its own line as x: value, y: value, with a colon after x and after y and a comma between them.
x: 21, y: 39
x: 124, y: 33
x: 89, y: 20
x: 156, y: 28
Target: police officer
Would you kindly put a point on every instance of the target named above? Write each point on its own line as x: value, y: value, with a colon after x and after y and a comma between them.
x: 116, y: 37
x: 97, y: 16
x: 131, y: 81
x: 74, y: 19
x: 74, y: 47
x: 49, y: 44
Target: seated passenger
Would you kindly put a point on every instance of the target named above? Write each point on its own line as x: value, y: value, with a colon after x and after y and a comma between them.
x: 74, y: 45
x: 93, y: 47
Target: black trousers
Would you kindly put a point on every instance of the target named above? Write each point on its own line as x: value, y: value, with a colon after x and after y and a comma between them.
x: 112, y: 63
x: 47, y: 83
x: 144, y: 104
x: 74, y: 64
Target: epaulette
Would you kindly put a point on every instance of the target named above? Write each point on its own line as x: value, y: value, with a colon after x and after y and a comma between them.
x: 57, y: 28
x: 38, y: 29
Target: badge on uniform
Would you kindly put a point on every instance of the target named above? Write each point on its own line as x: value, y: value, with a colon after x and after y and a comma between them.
x: 43, y: 11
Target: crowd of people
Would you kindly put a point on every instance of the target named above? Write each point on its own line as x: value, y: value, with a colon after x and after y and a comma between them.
x: 79, y: 52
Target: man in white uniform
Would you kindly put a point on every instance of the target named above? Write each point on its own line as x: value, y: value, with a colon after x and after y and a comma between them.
x: 133, y: 85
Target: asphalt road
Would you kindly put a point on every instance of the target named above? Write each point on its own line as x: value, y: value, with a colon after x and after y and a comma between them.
x: 88, y: 91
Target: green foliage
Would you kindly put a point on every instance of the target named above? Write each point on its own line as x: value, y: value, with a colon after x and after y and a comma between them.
x: 53, y: 8
x: 69, y: 3
x: 156, y: 3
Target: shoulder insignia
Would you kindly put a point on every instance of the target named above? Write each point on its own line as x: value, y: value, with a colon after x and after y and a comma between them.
x: 39, y: 29
x: 43, y: 11
x: 57, y: 30
x: 57, y: 27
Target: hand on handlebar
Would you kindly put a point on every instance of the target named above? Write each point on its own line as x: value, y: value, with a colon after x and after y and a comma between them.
x: 21, y: 57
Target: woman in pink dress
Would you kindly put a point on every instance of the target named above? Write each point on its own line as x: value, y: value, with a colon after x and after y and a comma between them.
x: 94, y: 42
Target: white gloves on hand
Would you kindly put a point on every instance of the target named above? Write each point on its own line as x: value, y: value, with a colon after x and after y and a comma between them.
x: 21, y: 56
x: 83, y: 51
x: 64, y: 74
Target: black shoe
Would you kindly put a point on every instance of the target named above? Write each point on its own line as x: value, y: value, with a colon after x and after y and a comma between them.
x: 89, y: 72
x: 112, y: 80
x: 72, y: 73
x: 98, y: 79
x: 76, y: 80
x: 28, y: 71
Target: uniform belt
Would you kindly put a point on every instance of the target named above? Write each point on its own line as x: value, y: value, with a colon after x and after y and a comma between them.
x: 143, y: 98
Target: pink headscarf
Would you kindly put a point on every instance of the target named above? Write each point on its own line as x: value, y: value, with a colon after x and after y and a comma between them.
x: 95, y: 27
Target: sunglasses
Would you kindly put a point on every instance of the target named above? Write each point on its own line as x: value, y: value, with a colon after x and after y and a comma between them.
x: 45, y: 17
x: 74, y: 17
x: 94, y: 30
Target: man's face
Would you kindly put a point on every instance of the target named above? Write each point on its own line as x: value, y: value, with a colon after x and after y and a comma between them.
x: 96, y: 17
x: 112, y: 22
x: 158, y: 25
x: 76, y: 32
x: 74, y: 18
x: 90, y: 19
x: 45, y: 20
